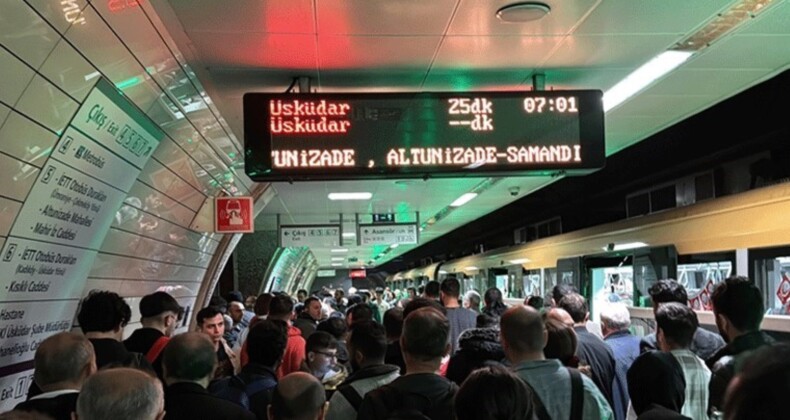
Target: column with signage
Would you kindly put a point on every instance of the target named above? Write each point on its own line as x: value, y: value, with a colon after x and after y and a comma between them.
x: 62, y: 224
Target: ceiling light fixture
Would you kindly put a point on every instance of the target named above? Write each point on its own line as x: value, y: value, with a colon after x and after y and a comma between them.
x: 393, y: 246
x: 337, y: 250
x: 471, y: 268
x: 349, y: 234
x: 642, y: 77
x: 350, y: 196
x: 460, y: 201
x: 337, y: 258
x: 625, y: 246
x: 519, y: 261
x: 523, y: 12
x: 336, y: 264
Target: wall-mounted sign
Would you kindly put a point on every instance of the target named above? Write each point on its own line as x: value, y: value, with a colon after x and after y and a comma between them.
x: 309, y: 235
x: 384, y: 218
x: 59, y: 231
x: 325, y: 273
x: 397, y: 135
x: 397, y: 233
x: 233, y: 215
x: 357, y: 273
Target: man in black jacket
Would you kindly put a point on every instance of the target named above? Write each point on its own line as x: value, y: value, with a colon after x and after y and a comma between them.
x: 591, y: 350
x: 424, y: 343
x: 188, y: 365
x: 265, y: 346
x: 102, y: 317
x: 738, y: 308
x: 705, y: 343
x: 160, y: 315
x: 62, y: 364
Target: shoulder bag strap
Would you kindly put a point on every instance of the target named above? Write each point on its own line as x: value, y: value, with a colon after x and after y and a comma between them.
x: 577, y: 395
x: 156, y: 349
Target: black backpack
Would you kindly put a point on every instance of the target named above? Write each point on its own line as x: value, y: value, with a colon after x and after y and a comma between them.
x: 239, y: 390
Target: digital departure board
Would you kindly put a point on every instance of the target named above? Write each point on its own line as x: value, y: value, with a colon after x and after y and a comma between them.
x: 406, y: 135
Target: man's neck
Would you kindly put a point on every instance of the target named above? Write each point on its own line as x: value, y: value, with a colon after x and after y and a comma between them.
x: 100, y: 335
x: 519, y: 358
x: 450, y: 303
x: 202, y: 382
x: 155, y: 326
x: 418, y: 366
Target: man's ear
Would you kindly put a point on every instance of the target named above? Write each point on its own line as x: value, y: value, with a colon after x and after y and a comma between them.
x: 322, y: 413
x: 545, y: 338
x: 447, y: 349
x: 586, y: 317
x: 269, y: 411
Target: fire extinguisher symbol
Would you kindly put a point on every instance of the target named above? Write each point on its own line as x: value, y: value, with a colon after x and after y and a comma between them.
x: 233, y: 213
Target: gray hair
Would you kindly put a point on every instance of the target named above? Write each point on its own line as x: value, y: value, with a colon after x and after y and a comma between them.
x: 60, y: 358
x: 616, y: 316
x: 120, y: 394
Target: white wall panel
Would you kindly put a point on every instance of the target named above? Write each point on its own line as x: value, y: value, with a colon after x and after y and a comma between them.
x: 165, y: 180
x: 102, y: 48
x: 4, y: 111
x: 46, y: 104
x: 117, y: 267
x: 26, y: 140
x: 124, y: 243
x: 160, y: 205
x: 17, y: 177
x: 60, y: 13
x: 70, y: 71
x: 133, y: 220
x: 24, y: 32
x: 16, y: 76
x: 8, y: 212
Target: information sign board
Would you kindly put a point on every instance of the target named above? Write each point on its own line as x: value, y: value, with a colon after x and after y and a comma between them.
x: 380, y: 234
x: 440, y: 134
x: 309, y: 235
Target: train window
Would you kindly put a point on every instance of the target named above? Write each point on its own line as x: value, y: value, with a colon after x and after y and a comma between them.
x: 772, y: 276
x: 611, y: 284
x: 699, y: 279
x: 531, y: 281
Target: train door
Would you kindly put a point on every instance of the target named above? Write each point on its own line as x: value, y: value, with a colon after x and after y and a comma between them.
x: 617, y: 276
x: 770, y: 270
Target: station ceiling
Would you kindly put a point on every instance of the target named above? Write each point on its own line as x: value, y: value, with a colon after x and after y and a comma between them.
x: 460, y: 45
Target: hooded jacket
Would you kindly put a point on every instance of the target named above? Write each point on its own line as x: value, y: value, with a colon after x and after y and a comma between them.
x: 477, y: 347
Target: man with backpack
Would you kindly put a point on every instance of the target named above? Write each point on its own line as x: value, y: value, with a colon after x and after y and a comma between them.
x: 367, y: 346
x: 252, y: 387
x: 421, y: 391
x: 160, y: 315
x: 523, y: 338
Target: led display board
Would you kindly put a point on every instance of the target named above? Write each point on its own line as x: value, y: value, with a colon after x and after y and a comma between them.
x: 409, y: 135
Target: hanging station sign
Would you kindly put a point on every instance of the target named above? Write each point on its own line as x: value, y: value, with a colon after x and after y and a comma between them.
x: 403, y: 135
x: 310, y: 235
x: 381, y: 234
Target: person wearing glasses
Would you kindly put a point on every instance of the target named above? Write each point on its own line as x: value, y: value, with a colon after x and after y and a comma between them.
x: 160, y: 316
x: 321, y: 361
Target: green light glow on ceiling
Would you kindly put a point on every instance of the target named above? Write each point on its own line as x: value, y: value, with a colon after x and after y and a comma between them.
x: 124, y: 84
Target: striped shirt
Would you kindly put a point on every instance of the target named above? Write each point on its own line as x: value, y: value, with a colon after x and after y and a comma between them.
x: 697, y: 377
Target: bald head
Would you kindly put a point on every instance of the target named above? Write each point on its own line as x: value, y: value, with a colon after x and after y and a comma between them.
x: 64, y: 361
x: 298, y: 396
x: 522, y: 331
x: 189, y: 357
x: 121, y: 394
x: 561, y: 315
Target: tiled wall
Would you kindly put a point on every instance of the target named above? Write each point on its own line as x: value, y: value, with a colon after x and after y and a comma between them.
x: 51, y: 54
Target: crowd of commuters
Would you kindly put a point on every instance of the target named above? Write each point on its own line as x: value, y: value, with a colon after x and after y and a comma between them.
x: 424, y: 354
